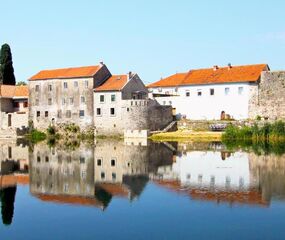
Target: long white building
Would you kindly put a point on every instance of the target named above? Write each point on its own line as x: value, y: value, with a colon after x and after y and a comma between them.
x: 210, y: 94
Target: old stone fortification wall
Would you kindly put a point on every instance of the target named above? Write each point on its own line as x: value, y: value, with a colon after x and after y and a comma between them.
x: 268, y: 99
x: 136, y: 115
x: 146, y: 115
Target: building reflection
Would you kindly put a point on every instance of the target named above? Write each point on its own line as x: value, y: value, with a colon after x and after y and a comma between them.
x: 224, y: 176
x: 14, y: 166
x: 94, y: 175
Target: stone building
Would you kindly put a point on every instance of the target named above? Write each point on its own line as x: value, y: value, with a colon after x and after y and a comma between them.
x: 211, y: 93
x: 92, y: 97
x: 65, y: 95
x: 13, y: 109
x: 122, y: 104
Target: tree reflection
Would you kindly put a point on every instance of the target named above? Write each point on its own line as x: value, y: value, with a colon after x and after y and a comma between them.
x: 7, y: 196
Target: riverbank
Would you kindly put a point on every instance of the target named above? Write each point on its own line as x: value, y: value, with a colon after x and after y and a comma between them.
x: 184, y: 135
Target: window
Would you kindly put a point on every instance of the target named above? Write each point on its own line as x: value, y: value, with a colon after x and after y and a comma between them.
x: 38, y: 113
x: 199, y: 92
x: 9, y: 152
x: 59, y: 113
x: 113, y: 98
x: 81, y: 113
x: 102, y: 175
x: 65, y: 85
x: 26, y: 104
x: 75, y: 84
x: 227, y: 91
x: 102, y: 98
x: 46, y: 113
x: 37, y: 102
x: 99, y: 162
x: 212, y: 91
x: 187, y: 94
x: 37, y: 88
x: 112, y: 111
x: 47, y: 159
x: 71, y: 101
x: 49, y: 101
x: 68, y: 114
x: 82, y: 160
x: 98, y: 111
x: 113, y: 162
x: 188, y: 176
x: 38, y: 159
x: 164, y: 102
x: 200, y: 178
x: 86, y: 84
x: 170, y: 102
x: 240, y: 90
x: 114, y: 176
x: 16, y: 104
x: 49, y: 87
x: 63, y: 101
x: 82, y: 99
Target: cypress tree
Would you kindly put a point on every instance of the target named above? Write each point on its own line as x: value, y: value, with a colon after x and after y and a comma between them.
x: 6, y: 69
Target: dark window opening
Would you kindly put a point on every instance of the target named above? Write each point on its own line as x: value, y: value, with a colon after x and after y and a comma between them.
x: 113, y: 162
x: 46, y: 113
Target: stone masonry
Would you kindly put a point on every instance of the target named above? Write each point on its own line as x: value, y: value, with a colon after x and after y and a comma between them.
x: 268, y: 98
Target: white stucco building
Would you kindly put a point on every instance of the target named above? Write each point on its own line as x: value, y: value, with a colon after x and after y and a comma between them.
x: 208, y: 94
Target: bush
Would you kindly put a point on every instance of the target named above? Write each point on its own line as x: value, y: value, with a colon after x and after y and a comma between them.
x: 51, y: 130
x: 37, y: 136
x: 267, y: 133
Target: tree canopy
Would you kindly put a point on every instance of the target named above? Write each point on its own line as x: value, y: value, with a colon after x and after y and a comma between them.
x: 21, y: 83
x: 6, y: 66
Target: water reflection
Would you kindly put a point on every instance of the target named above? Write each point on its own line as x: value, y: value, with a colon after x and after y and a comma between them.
x: 96, y: 175
x: 14, y: 166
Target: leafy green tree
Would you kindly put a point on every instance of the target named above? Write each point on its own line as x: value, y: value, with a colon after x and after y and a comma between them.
x: 21, y: 83
x: 6, y: 69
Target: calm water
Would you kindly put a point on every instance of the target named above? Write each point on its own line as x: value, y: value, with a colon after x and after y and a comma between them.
x: 131, y: 190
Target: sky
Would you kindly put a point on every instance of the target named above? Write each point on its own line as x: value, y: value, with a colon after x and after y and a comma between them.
x: 154, y: 38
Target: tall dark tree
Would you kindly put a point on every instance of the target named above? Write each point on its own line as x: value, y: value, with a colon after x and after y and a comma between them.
x: 6, y: 69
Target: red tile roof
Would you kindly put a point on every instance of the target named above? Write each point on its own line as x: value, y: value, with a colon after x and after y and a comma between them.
x: 67, y: 199
x: 246, y: 73
x: 63, y: 73
x: 114, y: 83
x: 11, y: 91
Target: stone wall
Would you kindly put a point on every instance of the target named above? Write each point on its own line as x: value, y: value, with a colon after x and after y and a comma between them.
x: 268, y: 99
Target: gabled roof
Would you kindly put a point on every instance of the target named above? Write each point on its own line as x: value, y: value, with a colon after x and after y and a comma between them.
x: 114, y: 83
x: 64, y: 73
x: 11, y: 91
x: 232, y: 74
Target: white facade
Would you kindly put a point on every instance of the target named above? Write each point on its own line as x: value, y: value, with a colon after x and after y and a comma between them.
x: 208, y: 169
x: 207, y: 102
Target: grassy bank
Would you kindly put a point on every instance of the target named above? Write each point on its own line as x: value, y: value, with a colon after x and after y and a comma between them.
x: 269, y: 132
x: 180, y: 136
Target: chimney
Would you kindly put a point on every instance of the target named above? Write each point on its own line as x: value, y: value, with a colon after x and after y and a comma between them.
x: 130, y: 74
x: 101, y: 63
x: 229, y: 66
x: 215, y: 67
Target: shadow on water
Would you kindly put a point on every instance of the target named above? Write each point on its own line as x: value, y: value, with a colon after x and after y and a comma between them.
x: 7, y: 196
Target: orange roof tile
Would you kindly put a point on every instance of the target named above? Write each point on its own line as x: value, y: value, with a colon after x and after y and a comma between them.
x: 114, y: 83
x: 246, y: 73
x: 114, y: 189
x: 10, y: 91
x: 21, y: 91
x: 63, y: 73
x: 65, y: 199
x: 251, y: 196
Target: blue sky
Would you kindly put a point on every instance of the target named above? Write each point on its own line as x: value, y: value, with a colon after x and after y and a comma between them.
x: 153, y: 38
